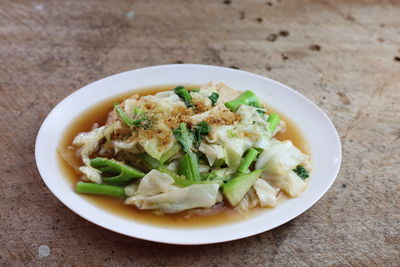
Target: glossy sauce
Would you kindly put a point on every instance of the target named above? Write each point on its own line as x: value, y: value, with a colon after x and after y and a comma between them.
x: 221, y: 215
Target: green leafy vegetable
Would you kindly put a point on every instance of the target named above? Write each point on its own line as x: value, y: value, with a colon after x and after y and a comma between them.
x: 214, y: 98
x: 301, y: 172
x: 202, y: 128
x: 140, y: 121
x: 186, y: 138
x: 218, y: 163
x: 247, y: 98
x: 184, y: 94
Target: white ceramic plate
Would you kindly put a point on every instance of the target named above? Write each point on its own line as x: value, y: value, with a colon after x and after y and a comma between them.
x: 318, y: 130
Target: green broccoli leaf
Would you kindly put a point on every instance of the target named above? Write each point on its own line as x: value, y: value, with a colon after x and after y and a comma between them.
x: 202, y: 128
x: 301, y: 172
x: 189, y: 164
x: 184, y: 94
x: 214, y: 98
x: 140, y: 121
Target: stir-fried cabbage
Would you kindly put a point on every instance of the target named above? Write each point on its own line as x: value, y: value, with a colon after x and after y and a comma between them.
x: 249, y: 201
x: 89, y: 142
x: 157, y: 192
x: 212, y: 152
x: 280, y: 158
x: 290, y: 183
x: 266, y: 194
x: 202, y: 146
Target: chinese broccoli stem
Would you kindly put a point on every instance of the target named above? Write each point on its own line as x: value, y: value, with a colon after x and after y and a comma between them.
x: 248, y: 159
x: 247, y: 98
x: 153, y: 163
x: 189, y: 163
x: 123, y: 173
x: 170, y: 153
x: 273, y: 121
x: 100, y: 189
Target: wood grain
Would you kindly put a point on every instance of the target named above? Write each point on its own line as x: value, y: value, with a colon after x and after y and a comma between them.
x: 343, y: 55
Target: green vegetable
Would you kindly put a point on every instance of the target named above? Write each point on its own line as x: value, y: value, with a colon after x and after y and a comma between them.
x: 100, y: 189
x: 184, y: 94
x: 186, y: 139
x: 218, y: 163
x: 141, y: 121
x: 219, y: 174
x: 170, y: 153
x: 235, y: 189
x: 152, y: 163
x: 123, y: 173
x: 251, y: 156
x: 214, y: 98
x: 273, y: 121
x: 184, y: 166
x: 202, y: 128
x: 247, y: 98
x: 195, y: 90
x: 149, y: 161
x: 301, y: 172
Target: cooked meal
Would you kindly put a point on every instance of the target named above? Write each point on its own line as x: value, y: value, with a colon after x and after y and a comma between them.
x: 190, y: 149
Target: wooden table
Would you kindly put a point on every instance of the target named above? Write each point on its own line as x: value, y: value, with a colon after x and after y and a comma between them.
x: 343, y: 55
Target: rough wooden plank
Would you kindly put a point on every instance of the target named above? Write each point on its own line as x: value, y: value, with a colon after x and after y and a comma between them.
x: 343, y: 55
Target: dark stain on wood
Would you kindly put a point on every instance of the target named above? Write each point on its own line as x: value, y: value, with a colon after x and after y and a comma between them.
x: 344, y: 98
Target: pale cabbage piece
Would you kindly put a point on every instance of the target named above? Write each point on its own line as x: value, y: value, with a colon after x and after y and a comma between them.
x: 212, y: 152
x: 280, y: 158
x: 225, y: 92
x: 89, y: 142
x: 107, y: 146
x: 166, y: 101
x: 249, y: 201
x: 173, y: 165
x: 289, y: 183
x: 91, y: 174
x: 234, y: 150
x: 203, y: 168
x: 168, y: 96
x: 154, y: 183
x: 124, y: 145
x: 249, y: 115
x: 266, y: 193
x: 156, y: 191
x: 252, y: 121
x: 234, y: 147
x: 280, y: 128
x: 211, y: 113
x: 223, y: 174
x: 129, y: 106
x: 202, y: 97
x: 131, y: 189
x: 179, y: 199
x: 152, y: 147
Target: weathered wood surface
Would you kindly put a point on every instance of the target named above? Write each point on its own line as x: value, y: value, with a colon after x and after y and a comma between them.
x: 343, y: 55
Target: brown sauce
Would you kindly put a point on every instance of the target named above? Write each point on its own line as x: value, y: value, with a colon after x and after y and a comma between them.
x: 221, y: 215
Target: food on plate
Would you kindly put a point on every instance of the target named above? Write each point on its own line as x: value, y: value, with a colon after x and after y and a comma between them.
x: 190, y: 149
